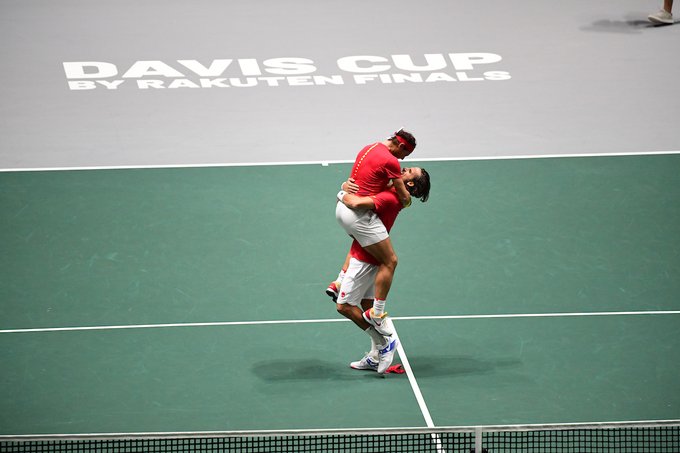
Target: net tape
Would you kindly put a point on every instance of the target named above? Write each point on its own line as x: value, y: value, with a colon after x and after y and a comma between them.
x: 664, y: 437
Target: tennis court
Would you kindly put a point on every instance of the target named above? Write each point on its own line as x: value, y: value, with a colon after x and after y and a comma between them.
x: 191, y: 300
x: 167, y: 181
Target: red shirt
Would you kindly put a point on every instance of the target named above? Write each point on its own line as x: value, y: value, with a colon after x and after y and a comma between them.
x: 387, y: 206
x: 373, y: 169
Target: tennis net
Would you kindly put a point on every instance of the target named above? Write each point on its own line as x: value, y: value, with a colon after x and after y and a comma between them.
x: 577, y: 438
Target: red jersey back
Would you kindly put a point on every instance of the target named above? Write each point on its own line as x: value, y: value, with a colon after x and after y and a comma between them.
x: 373, y: 169
x: 387, y: 206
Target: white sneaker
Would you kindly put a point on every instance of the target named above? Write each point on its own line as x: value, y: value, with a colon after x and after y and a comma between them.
x: 386, y: 355
x: 367, y: 363
x: 661, y: 17
x: 380, y: 323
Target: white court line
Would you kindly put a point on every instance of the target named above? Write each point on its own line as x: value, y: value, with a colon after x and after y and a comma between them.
x: 546, y: 315
x: 316, y: 321
x: 416, y: 391
x: 327, y: 162
x: 171, y: 325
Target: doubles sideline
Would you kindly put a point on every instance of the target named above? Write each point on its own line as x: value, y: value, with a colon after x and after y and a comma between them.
x: 316, y: 321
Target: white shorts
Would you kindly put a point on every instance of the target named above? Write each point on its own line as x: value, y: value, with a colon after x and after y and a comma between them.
x: 358, y: 283
x: 364, y: 225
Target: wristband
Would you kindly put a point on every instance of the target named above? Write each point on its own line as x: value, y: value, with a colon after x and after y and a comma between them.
x: 341, y: 194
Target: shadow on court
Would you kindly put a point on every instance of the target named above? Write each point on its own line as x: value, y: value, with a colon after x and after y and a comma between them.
x: 309, y: 370
x: 423, y: 366
x: 633, y: 23
x: 436, y: 366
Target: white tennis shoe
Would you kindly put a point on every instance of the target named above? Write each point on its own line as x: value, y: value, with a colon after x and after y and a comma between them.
x: 367, y: 363
x: 381, y: 323
x: 386, y: 355
x: 661, y: 17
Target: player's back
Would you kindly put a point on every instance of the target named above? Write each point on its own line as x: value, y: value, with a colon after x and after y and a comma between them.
x: 373, y: 169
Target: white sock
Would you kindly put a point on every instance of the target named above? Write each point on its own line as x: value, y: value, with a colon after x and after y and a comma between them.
x: 378, y: 307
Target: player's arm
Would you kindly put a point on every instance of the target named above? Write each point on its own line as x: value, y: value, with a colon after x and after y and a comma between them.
x: 402, y: 193
x: 356, y: 202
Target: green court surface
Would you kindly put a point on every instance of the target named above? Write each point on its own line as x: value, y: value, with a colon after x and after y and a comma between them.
x: 235, y: 247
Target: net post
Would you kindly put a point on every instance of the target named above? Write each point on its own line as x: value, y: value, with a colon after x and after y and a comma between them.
x: 478, y: 439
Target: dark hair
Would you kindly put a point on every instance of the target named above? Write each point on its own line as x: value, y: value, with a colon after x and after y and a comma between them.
x: 421, y: 186
x: 410, y: 139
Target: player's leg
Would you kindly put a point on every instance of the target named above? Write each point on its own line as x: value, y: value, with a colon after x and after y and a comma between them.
x: 359, y: 280
x: 383, y: 348
x: 334, y: 288
x: 357, y: 293
x: 354, y: 314
x: 384, y: 353
x: 371, y: 234
x: 369, y: 231
x: 351, y: 221
x: 384, y: 253
x: 371, y: 360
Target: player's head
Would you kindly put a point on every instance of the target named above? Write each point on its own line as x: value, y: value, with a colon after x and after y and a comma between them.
x: 402, y: 143
x: 417, y: 182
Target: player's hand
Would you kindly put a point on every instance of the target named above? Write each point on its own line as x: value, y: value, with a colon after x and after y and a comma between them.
x: 352, y: 187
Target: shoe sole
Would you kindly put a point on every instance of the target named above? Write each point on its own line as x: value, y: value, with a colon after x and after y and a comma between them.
x: 660, y: 22
x: 332, y: 295
x: 363, y: 369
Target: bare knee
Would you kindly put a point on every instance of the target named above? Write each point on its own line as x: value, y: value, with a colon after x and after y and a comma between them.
x: 391, y: 261
x: 343, y: 309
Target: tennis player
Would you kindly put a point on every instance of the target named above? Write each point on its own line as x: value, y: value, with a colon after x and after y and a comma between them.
x: 375, y: 168
x: 357, y: 292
